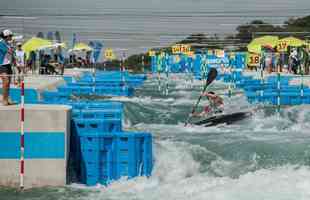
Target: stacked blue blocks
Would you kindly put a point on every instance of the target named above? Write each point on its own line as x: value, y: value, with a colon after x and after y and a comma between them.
x: 267, y: 91
x: 30, y: 95
x: 113, y: 83
x: 110, y: 156
x: 104, y: 152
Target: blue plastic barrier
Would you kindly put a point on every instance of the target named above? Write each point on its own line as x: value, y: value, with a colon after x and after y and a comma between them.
x: 96, y: 105
x: 98, y: 126
x: 97, y: 114
x: 54, y: 97
x: 111, y: 156
x: 30, y: 97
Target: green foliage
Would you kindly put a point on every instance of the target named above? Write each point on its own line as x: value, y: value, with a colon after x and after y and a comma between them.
x: 134, y: 62
x: 245, y: 33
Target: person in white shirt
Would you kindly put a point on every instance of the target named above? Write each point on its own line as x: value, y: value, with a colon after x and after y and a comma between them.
x: 20, y: 58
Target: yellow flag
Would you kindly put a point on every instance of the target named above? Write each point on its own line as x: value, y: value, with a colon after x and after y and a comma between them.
x: 176, y: 59
x: 176, y: 49
x: 282, y: 46
x: 210, y: 52
x: 191, y: 54
x: 162, y: 54
x: 253, y: 59
x: 220, y: 53
x: 152, y: 53
x: 109, y: 54
x: 185, y: 48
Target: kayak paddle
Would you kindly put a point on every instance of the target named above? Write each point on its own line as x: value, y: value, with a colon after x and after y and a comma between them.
x: 211, y: 76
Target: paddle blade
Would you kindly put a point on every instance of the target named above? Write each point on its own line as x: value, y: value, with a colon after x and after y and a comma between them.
x: 211, y: 75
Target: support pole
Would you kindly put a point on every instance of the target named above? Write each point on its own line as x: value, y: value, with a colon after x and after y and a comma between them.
x: 22, y: 134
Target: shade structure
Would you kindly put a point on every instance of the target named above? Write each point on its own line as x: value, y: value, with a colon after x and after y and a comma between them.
x: 81, y: 47
x: 35, y: 44
x: 292, y: 41
x: 254, y: 48
x: 267, y: 40
x: 289, y: 41
x: 55, y: 45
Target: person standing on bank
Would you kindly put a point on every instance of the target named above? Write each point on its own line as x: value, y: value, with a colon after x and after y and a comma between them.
x: 6, y: 59
x: 20, y: 58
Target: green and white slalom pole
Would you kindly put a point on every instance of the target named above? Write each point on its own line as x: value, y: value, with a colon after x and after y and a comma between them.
x: 158, y: 80
x: 187, y: 74
x: 94, y: 78
x: 187, y: 79
x: 279, y: 92
x: 123, y: 68
x: 231, y: 82
x: 261, y: 69
x: 203, y: 67
x: 158, y: 73
x: 166, y: 91
x: 191, y: 74
x: 142, y: 62
x: 302, y: 85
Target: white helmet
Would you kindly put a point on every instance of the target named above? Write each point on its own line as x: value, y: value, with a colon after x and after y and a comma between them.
x: 7, y: 33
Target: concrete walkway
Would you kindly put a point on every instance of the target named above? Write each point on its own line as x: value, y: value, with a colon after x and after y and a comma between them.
x: 47, y: 82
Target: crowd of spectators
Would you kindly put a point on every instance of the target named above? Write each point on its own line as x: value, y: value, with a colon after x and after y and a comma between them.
x: 295, y: 60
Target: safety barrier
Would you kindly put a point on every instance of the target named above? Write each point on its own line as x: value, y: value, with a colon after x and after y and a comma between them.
x: 50, y: 97
x: 99, y: 149
x: 30, y: 95
x: 108, y: 157
x: 97, y: 105
x: 97, y: 90
x: 97, y: 114
x: 85, y: 126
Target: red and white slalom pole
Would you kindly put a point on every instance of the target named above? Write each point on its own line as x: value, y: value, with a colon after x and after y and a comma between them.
x: 22, y: 134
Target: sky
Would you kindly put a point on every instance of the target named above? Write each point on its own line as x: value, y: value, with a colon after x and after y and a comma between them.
x: 97, y: 6
x: 141, y: 24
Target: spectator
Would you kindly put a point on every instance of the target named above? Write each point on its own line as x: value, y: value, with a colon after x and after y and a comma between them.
x: 307, y: 60
x: 20, y: 61
x: 276, y: 62
x: 303, y: 57
x: 282, y: 61
x: 6, y: 59
x: 46, y: 64
x: 294, y: 61
x: 32, y: 61
x: 268, y: 61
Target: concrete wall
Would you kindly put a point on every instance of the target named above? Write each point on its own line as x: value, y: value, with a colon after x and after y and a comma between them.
x: 47, y: 141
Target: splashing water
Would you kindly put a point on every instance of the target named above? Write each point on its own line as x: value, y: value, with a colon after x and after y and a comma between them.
x: 266, y: 156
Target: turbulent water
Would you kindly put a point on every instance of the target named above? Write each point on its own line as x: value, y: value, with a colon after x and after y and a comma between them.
x: 264, y: 157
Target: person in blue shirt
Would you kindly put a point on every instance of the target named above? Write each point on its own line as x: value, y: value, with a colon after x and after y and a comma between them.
x: 6, y: 59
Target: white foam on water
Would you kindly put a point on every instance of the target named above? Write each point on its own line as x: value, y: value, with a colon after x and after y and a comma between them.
x: 179, y: 174
x: 176, y: 176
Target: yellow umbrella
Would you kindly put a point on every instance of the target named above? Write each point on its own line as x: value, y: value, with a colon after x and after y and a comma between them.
x: 292, y: 41
x: 54, y: 46
x: 35, y: 44
x: 289, y: 41
x: 254, y: 48
x: 267, y: 40
x: 81, y: 47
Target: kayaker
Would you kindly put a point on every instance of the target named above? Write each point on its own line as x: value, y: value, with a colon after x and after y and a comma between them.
x: 215, y: 106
